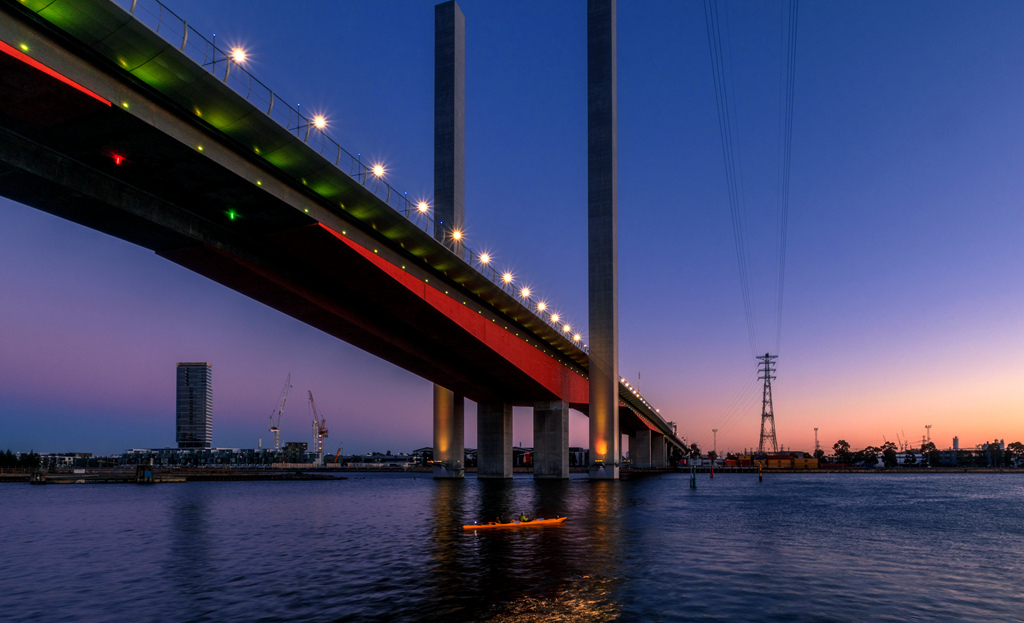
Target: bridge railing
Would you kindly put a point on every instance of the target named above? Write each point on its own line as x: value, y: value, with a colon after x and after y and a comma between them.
x: 219, y: 62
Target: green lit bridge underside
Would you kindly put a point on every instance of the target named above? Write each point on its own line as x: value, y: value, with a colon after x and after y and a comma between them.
x: 229, y: 214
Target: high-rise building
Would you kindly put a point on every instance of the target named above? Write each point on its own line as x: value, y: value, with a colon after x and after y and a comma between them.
x: 194, y: 421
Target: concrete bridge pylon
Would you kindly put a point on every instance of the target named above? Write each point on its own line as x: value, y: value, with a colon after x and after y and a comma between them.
x: 602, y: 234
x: 449, y: 203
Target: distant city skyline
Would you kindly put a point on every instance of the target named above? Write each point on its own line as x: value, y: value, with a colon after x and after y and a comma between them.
x: 902, y: 297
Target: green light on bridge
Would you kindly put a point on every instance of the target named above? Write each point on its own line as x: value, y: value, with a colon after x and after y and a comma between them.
x: 24, y: 47
x: 232, y: 215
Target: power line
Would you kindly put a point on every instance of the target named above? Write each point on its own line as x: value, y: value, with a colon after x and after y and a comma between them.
x: 730, y: 154
x: 717, y: 26
x: 788, y: 38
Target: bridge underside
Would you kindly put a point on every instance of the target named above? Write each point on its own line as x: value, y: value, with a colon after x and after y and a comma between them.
x: 139, y: 174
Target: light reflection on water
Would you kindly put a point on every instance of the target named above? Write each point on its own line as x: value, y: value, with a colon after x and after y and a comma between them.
x: 821, y: 547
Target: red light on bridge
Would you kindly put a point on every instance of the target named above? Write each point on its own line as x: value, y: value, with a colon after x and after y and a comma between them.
x: 21, y: 56
x: 118, y: 159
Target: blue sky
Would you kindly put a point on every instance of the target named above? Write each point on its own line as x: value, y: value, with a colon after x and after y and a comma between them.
x: 903, y: 295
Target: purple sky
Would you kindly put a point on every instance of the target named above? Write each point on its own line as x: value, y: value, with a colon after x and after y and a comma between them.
x: 903, y: 298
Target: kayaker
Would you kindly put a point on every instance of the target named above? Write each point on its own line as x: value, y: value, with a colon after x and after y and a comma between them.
x: 523, y: 518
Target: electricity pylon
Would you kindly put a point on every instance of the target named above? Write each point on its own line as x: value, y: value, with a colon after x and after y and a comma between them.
x: 767, y: 366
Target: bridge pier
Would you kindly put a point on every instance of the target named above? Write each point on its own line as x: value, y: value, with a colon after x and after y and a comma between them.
x: 551, y: 439
x: 659, y: 453
x: 449, y: 434
x: 640, y: 449
x: 494, y: 440
x: 602, y: 241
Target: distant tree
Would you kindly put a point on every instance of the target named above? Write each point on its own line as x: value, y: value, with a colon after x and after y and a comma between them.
x: 712, y: 455
x: 867, y: 457
x: 819, y: 454
x: 1016, y: 452
x: 29, y: 460
x: 842, y: 450
x: 886, y: 446
x: 995, y: 454
x: 932, y: 453
x: 694, y: 451
x: 731, y: 456
x: 675, y: 455
x: 7, y: 459
x: 909, y: 458
x: 889, y: 457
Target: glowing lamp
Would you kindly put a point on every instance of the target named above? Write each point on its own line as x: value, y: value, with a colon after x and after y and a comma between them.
x: 456, y: 235
x: 577, y: 337
x: 422, y: 207
x: 542, y: 306
x: 566, y: 328
x: 525, y: 293
x: 507, y: 277
x: 320, y: 122
x: 555, y: 317
x: 238, y: 55
x: 485, y: 258
x: 118, y: 159
x: 378, y: 170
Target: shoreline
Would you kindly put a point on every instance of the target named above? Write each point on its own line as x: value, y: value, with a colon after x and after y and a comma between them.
x: 249, y: 474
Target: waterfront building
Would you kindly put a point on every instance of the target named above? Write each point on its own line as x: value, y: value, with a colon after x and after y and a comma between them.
x: 194, y: 412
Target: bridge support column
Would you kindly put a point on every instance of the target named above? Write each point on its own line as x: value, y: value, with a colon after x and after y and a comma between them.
x: 602, y: 240
x: 494, y: 440
x: 640, y: 454
x: 449, y: 120
x: 551, y: 439
x: 659, y: 454
x: 449, y: 434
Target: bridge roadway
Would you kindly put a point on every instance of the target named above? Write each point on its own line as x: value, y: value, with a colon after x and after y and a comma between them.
x: 106, y: 124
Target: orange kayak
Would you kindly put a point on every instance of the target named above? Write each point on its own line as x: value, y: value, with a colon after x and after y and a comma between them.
x: 513, y: 524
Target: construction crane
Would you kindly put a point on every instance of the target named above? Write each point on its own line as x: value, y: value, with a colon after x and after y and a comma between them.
x: 275, y: 425
x: 337, y: 455
x: 319, y: 431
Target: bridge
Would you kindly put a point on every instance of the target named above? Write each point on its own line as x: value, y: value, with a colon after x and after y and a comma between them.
x: 126, y: 120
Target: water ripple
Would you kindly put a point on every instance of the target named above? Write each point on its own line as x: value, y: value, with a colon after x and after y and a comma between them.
x: 805, y: 548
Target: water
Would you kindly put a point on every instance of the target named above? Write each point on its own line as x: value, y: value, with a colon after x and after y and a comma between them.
x: 807, y: 547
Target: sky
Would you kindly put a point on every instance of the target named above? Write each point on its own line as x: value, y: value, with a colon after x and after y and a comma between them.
x: 902, y: 300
